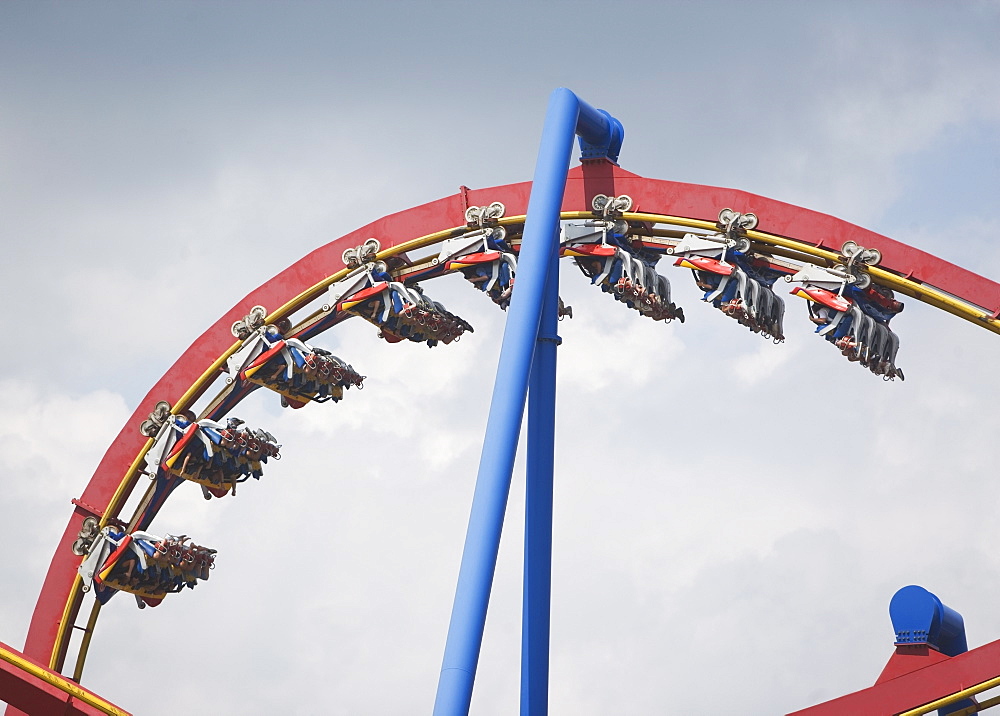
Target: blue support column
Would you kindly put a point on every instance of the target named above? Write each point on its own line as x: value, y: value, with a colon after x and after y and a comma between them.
x: 538, y: 506
x: 566, y: 116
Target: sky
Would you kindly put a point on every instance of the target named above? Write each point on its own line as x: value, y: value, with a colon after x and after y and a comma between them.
x: 731, y: 517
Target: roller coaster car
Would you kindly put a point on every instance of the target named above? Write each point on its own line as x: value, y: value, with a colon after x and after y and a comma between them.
x: 852, y: 317
x: 215, y: 456
x: 602, y: 252
x: 735, y: 281
x: 486, y: 261
x: 297, y: 371
x: 143, y: 564
x: 401, y: 312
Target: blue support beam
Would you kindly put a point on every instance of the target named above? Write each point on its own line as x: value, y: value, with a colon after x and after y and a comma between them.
x: 566, y: 117
x: 538, y: 506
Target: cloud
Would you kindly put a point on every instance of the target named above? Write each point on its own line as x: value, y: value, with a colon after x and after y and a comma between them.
x: 716, y: 496
x: 49, y: 444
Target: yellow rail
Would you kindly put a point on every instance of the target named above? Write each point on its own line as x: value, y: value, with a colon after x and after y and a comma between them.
x: 957, y: 696
x: 61, y: 683
x: 914, y: 289
x: 85, y: 644
x: 976, y: 708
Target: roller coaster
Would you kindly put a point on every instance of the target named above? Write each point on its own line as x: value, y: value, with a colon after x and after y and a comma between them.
x: 744, y: 252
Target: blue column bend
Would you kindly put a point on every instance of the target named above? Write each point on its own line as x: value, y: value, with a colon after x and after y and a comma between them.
x: 566, y: 116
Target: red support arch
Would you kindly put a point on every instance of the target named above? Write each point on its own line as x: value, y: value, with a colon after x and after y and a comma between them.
x: 649, y: 195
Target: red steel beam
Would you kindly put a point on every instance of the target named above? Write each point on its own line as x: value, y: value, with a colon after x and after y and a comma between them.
x: 31, y: 694
x: 916, y: 688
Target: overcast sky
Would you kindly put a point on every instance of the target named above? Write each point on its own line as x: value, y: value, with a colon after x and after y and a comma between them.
x: 732, y: 517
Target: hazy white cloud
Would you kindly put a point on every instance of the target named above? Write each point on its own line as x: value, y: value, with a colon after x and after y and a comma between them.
x: 49, y: 444
x: 723, y: 505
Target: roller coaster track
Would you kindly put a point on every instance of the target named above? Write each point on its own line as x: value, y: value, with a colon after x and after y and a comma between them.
x: 660, y: 210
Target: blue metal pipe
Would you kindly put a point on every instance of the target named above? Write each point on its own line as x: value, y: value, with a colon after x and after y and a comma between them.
x: 600, y: 134
x: 538, y: 506
x: 489, y: 502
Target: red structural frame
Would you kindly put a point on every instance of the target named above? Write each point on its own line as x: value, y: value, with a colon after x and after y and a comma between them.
x: 915, y: 675
x: 29, y: 694
x: 649, y: 195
